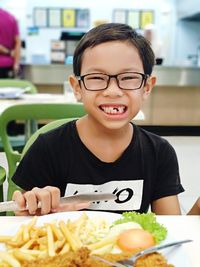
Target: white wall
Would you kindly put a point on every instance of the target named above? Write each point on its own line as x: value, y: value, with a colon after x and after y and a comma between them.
x: 187, y: 7
x: 187, y: 40
x: 188, y: 34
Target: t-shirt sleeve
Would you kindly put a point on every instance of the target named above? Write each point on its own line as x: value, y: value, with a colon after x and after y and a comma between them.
x: 35, y: 169
x: 167, y: 182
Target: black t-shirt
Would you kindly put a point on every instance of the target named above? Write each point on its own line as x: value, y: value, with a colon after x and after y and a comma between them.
x: 147, y: 170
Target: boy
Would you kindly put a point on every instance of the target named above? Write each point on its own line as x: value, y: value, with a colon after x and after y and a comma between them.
x: 104, y: 151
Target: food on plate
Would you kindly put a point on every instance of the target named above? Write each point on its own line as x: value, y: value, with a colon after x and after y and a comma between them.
x: 147, y: 221
x: 68, y: 243
x: 152, y: 260
x: 132, y: 239
x: 81, y: 258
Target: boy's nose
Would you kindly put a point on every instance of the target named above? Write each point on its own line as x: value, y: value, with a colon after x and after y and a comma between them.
x: 113, y: 88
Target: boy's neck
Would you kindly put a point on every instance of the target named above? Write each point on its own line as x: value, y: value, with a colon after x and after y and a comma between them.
x: 107, y: 145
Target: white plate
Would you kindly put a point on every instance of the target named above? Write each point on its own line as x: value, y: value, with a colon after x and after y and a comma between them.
x: 175, y: 255
x: 11, y: 92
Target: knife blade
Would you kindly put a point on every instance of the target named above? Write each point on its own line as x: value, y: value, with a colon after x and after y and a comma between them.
x: 80, y: 198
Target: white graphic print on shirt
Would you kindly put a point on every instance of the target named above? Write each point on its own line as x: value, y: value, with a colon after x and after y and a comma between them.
x: 129, y: 194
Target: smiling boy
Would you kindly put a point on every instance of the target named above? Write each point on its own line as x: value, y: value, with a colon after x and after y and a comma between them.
x: 104, y: 151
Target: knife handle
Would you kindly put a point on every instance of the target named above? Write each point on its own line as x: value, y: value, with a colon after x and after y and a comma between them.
x: 8, y: 206
x: 12, y: 206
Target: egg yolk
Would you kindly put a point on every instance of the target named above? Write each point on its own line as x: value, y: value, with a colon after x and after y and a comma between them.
x: 133, y: 239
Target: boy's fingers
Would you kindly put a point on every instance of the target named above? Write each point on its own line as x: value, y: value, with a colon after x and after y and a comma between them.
x: 49, y: 197
x: 44, y: 197
x: 19, y: 199
x: 55, y: 196
x: 32, y: 202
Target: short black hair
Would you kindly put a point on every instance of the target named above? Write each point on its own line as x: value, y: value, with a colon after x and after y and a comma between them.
x: 114, y: 32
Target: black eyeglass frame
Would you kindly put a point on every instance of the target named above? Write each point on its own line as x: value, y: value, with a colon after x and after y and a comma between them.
x: 143, y: 81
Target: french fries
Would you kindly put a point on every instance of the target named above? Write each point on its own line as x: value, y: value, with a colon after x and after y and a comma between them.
x: 33, y: 242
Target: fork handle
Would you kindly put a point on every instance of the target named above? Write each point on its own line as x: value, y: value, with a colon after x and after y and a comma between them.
x: 159, y: 247
x: 154, y: 249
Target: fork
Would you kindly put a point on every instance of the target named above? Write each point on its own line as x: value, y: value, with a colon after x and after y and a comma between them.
x: 132, y: 260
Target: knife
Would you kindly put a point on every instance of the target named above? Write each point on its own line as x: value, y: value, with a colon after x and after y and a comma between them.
x: 80, y: 198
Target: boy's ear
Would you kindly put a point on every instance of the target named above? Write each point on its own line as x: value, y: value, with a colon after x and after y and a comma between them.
x: 150, y: 83
x: 76, y: 87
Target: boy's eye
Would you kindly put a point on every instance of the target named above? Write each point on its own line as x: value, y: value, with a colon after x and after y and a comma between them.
x: 129, y: 77
x: 95, y: 77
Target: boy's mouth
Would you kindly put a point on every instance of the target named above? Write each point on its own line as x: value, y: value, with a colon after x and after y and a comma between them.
x: 113, y: 109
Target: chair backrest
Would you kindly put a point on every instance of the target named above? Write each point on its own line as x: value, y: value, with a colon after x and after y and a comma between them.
x: 18, y: 141
x: 35, y: 111
x: 31, y: 88
x: 49, y: 126
x: 2, y: 179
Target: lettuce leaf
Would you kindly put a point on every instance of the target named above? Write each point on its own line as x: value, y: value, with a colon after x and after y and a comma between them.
x: 148, y: 223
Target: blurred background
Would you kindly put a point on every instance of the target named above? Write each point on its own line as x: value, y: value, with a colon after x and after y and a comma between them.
x: 44, y: 22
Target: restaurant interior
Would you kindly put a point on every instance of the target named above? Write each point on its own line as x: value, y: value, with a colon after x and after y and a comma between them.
x: 50, y: 32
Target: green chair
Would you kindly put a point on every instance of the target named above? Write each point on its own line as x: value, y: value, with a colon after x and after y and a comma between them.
x: 18, y: 141
x: 2, y: 179
x: 32, y: 112
x: 49, y: 126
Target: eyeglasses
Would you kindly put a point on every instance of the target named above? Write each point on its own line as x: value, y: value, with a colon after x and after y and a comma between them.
x: 125, y: 81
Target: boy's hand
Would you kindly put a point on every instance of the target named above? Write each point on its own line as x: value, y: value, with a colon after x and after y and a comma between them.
x: 49, y: 197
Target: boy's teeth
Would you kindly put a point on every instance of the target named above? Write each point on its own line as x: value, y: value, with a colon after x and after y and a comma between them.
x: 114, y: 110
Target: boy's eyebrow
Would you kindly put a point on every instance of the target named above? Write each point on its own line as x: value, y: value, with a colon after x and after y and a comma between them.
x: 93, y: 70
x: 99, y: 70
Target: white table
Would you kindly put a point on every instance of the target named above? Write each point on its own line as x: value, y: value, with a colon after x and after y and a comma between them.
x: 47, y: 98
x: 181, y: 227
x: 36, y: 98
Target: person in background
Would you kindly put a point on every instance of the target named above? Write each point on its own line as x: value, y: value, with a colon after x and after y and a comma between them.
x: 10, y: 45
x: 150, y: 33
x: 104, y: 151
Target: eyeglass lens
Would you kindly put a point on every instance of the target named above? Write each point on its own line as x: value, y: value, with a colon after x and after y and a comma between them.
x: 99, y: 81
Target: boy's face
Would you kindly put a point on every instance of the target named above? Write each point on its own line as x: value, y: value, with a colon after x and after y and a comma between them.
x: 112, y: 107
